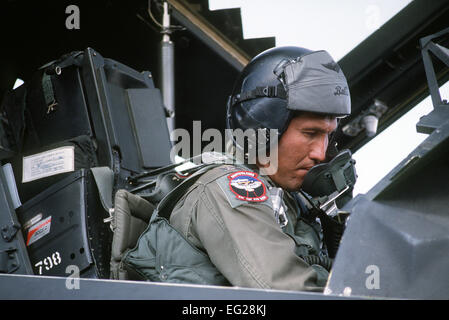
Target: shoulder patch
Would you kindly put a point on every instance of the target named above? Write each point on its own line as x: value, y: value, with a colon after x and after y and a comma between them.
x: 244, y: 186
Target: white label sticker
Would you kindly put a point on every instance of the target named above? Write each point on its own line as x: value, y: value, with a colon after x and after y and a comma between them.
x: 39, y: 230
x: 48, y: 163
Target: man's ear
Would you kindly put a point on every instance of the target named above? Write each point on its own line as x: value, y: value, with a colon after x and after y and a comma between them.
x: 332, y: 149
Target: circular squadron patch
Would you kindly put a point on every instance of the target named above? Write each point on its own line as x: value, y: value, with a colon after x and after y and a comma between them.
x: 247, y: 187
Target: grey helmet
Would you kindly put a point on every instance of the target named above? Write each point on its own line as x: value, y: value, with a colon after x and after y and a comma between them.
x: 281, y: 81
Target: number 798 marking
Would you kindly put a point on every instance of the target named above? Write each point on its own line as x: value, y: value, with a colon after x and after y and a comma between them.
x: 49, y: 262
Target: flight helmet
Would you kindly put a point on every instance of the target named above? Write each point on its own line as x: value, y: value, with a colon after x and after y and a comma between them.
x: 280, y: 82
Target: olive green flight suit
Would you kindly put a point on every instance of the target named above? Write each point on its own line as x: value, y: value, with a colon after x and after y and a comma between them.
x: 243, y: 239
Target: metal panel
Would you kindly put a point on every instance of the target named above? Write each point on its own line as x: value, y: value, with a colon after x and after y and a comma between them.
x: 405, y: 249
x: 30, y: 287
x: 397, y: 238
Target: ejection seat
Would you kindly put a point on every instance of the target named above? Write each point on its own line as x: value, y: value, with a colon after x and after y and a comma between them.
x: 131, y: 216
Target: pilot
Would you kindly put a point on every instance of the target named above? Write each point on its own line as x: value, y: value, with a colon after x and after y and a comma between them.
x: 246, y: 224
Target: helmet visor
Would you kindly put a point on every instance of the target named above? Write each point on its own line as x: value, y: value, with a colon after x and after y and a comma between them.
x: 315, y: 83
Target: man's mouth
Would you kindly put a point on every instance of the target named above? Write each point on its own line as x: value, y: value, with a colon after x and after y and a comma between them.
x: 304, y: 170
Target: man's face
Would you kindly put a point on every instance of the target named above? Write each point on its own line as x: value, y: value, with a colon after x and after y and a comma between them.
x: 302, y: 146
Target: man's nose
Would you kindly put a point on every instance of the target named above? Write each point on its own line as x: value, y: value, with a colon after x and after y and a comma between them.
x: 318, y: 150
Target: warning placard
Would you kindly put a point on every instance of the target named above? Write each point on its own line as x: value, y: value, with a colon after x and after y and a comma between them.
x: 48, y: 163
x: 39, y: 230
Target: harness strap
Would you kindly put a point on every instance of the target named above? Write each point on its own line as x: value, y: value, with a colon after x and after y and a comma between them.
x: 165, y: 207
x: 49, y: 94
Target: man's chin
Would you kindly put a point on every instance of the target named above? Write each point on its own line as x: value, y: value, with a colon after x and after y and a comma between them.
x: 294, y: 185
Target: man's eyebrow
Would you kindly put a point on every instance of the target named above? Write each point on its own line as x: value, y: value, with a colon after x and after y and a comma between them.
x: 318, y: 129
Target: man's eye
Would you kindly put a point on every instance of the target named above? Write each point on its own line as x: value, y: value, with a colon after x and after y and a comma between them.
x: 309, y: 133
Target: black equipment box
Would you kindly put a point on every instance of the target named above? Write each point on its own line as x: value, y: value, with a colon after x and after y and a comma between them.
x: 83, y: 94
x: 63, y: 226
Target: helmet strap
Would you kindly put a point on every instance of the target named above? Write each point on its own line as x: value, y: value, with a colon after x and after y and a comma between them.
x: 260, y: 92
